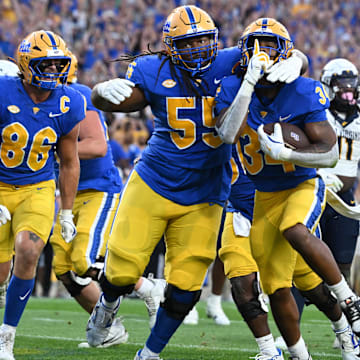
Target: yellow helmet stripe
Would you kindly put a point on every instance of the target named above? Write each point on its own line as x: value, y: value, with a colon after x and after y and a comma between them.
x: 191, y: 18
x: 52, y: 39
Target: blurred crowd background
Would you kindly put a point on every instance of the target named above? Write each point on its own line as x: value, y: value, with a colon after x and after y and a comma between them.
x: 98, y: 31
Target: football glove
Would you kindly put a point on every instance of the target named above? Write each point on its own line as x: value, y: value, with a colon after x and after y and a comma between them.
x: 285, y: 71
x: 259, y: 64
x: 331, y: 180
x: 273, y: 144
x: 115, y: 90
x: 4, y: 215
x: 68, y: 229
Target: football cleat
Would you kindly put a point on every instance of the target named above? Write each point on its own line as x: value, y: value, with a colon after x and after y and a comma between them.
x: 7, y: 339
x: 117, y: 335
x: 278, y: 356
x: 296, y: 358
x: 138, y: 356
x: 100, y: 323
x: 349, y: 343
x: 215, y: 311
x: 153, y: 298
x: 192, y: 318
x: 280, y: 343
x: 336, y: 344
x: 351, y: 309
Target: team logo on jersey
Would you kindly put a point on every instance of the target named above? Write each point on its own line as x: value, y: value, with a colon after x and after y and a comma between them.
x: 169, y: 83
x: 263, y: 113
x: 13, y: 109
x: 283, y: 118
x: 36, y: 110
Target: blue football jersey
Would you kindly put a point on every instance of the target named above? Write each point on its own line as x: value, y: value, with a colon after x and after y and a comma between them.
x: 185, y: 160
x: 242, y: 192
x: 299, y: 102
x: 99, y: 174
x: 29, y: 131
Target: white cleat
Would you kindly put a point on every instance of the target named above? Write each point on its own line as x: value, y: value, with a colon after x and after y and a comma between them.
x: 351, y: 308
x: 117, y: 335
x: 215, y: 311
x: 336, y: 344
x: 7, y: 339
x: 100, y: 323
x: 349, y: 343
x: 138, y: 356
x: 278, y: 356
x: 192, y: 318
x: 153, y: 299
x: 280, y: 343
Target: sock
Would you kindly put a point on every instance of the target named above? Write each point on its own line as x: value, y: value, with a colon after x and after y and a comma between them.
x: 267, y: 345
x: 341, y: 290
x: 17, y: 296
x: 8, y: 328
x: 166, y: 325
x: 145, y: 288
x: 340, y: 324
x: 110, y: 304
x: 299, y: 350
x: 214, y: 299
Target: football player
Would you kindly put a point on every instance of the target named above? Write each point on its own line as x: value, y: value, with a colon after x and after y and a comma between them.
x: 241, y: 269
x: 78, y: 263
x: 341, y: 82
x: 7, y: 68
x: 37, y: 114
x: 289, y: 199
x: 180, y: 184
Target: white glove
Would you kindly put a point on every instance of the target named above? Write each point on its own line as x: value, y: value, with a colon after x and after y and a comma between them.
x: 115, y: 90
x: 68, y: 229
x: 4, y: 215
x: 285, y: 71
x: 331, y: 180
x: 273, y: 144
x: 259, y: 64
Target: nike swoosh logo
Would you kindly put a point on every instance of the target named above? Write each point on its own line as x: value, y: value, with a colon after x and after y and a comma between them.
x: 217, y: 81
x: 85, y: 202
x: 54, y: 115
x: 22, y: 298
x: 282, y: 118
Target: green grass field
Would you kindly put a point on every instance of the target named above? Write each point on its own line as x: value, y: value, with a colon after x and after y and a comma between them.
x: 52, y: 329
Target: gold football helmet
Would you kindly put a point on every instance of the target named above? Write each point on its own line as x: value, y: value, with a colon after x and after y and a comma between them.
x: 187, y: 22
x: 72, y: 75
x: 34, y: 54
x: 272, y: 29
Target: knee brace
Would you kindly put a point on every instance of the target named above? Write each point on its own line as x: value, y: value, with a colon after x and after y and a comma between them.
x: 321, y: 297
x: 252, y: 308
x: 176, y: 308
x: 113, y: 290
x: 73, y: 283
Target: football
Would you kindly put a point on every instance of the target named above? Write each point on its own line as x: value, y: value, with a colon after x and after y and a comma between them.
x: 294, y: 137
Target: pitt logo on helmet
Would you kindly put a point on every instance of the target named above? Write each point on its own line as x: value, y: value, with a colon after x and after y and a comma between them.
x: 271, y: 30
x: 184, y: 24
x: 37, y: 56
